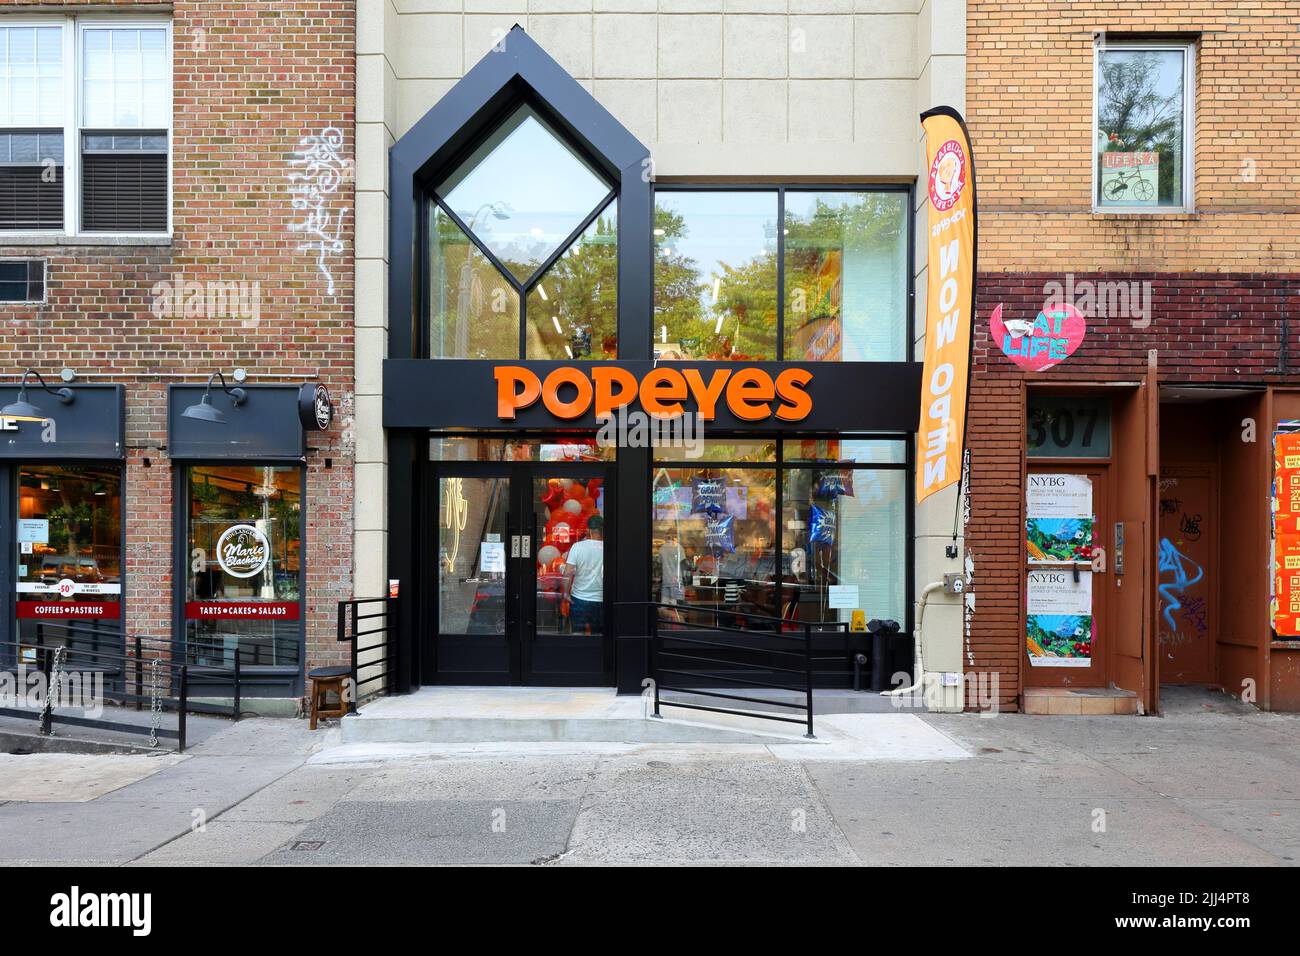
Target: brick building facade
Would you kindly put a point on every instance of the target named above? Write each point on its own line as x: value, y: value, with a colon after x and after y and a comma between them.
x: 254, y: 272
x: 1194, y: 372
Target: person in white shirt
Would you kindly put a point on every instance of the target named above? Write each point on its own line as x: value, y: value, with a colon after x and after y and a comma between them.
x: 584, y: 579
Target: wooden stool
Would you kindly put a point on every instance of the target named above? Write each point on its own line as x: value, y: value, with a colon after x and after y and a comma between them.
x: 324, y: 680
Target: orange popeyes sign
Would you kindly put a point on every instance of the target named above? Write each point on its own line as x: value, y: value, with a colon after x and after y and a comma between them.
x: 950, y: 301
x: 751, y: 394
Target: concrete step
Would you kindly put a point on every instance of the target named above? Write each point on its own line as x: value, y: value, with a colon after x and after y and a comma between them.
x: 459, y: 715
x: 1080, y: 701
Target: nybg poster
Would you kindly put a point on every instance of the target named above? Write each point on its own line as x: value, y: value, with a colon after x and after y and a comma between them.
x: 1059, y: 619
x: 1058, y: 518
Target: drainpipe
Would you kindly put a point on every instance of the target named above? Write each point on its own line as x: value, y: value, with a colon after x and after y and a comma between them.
x: 920, y: 667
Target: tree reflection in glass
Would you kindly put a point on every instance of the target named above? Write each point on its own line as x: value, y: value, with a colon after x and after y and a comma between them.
x: 573, y: 309
x: 715, y: 275
x: 474, y: 311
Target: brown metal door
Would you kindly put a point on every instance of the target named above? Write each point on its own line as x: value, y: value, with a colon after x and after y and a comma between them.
x: 1186, y: 585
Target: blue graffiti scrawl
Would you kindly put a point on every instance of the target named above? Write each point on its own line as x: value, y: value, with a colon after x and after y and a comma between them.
x: 1174, y: 562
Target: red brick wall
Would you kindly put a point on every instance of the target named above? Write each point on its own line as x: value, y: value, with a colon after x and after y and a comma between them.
x: 1207, y: 328
x: 251, y: 81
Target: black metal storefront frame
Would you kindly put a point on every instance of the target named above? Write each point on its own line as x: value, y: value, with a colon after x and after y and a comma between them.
x: 855, y: 397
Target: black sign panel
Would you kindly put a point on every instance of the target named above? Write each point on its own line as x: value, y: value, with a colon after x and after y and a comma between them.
x: 845, y: 396
x: 91, y: 426
x: 266, y: 425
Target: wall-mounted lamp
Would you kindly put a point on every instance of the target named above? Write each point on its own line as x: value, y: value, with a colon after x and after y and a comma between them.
x: 203, y: 410
x: 23, y: 410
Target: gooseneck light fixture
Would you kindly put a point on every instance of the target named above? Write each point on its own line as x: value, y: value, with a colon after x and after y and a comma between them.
x: 23, y: 410
x: 203, y: 409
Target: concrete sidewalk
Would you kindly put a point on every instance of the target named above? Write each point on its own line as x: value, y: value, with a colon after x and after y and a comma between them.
x: 1211, y: 783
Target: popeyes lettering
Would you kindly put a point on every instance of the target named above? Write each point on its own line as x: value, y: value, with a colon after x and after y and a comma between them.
x: 751, y: 394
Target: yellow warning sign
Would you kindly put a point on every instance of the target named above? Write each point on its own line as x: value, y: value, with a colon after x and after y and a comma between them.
x: 858, y: 621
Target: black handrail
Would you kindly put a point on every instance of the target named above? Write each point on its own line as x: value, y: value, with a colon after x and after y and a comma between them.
x: 171, y: 689
x: 682, y: 649
x: 353, y: 631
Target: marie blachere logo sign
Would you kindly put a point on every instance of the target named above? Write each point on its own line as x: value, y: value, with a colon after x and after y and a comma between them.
x: 243, y: 551
x: 947, y: 175
x: 315, y: 408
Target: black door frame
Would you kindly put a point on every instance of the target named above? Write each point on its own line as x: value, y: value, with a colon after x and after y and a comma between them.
x: 518, y: 645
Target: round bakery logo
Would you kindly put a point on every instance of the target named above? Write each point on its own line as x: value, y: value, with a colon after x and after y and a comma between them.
x: 947, y: 175
x: 242, y: 551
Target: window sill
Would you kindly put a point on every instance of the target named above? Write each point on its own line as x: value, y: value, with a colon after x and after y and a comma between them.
x: 1177, y: 213
x: 36, y: 239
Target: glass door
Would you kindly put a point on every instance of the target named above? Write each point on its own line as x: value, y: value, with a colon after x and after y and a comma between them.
x: 567, y: 578
x: 523, y: 570
x: 474, y: 586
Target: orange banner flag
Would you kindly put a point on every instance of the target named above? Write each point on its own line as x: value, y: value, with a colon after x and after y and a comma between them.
x: 950, y: 300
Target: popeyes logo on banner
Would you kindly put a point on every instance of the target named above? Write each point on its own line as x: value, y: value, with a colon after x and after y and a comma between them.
x: 751, y: 394
x: 243, y: 551
x: 947, y: 175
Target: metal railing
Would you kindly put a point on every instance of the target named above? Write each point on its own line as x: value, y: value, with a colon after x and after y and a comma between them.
x: 777, y: 654
x: 373, y: 660
x: 147, y: 675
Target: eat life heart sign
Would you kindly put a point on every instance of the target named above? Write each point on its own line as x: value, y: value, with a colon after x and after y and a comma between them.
x: 1047, y: 341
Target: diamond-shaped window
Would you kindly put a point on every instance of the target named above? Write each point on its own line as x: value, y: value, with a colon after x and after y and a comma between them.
x: 523, y: 192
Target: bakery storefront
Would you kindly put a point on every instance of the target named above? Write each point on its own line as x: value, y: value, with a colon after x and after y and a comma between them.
x: 603, y: 390
x: 61, y: 479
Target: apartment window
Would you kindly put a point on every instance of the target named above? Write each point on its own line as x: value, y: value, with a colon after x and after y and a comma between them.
x: 85, y: 126
x: 22, y: 280
x: 1143, y: 126
x: 810, y: 275
x: 32, y: 118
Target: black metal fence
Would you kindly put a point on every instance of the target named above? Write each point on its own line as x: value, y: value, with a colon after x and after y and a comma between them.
x: 54, y: 667
x: 370, y: 626
x: 692, y: 648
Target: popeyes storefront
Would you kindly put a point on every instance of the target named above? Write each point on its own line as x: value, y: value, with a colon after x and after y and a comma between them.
x: 696, y: 394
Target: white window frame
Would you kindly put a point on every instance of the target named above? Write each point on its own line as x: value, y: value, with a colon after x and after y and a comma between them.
x: 74, y: 28
x: 1188, y: 48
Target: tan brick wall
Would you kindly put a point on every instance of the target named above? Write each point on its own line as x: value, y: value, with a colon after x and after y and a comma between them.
x: 1029, y: 107
x: 251, y: 80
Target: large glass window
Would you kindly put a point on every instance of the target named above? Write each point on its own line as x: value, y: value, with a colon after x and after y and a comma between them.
x: 715, y: 275
x: 523, y: 251
x: 243, y: 587
x: 1143, y: 117
x: 69, y: 561
x: 794, y: 274
x: 804, y: 530
x: 845, y: 276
